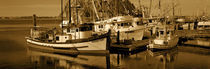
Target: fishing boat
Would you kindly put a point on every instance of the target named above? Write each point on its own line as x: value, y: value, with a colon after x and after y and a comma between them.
x: 203, y: 25
x: 76, y: 35
x: 165, y: 38
x: 128, y: 26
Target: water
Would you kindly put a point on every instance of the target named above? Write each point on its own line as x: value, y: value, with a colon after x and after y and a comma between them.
x: 15, y: 54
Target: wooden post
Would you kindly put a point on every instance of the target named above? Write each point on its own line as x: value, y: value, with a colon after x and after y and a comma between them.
x: 118, y: 37
x: 177, y: 26
x: 108, y: 40
x: 188, y: 26
x: 108, y: 61
x: 34, y: 21
x: 118, y: 58
x: 196, y: 25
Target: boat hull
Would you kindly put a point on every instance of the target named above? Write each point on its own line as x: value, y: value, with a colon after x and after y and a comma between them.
x: 94, y: 45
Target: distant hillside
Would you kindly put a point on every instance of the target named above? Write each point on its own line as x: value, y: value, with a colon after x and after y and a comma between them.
x: 29, y: 18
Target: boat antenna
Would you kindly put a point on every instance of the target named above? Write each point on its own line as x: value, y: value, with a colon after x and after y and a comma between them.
x: 69, y: 11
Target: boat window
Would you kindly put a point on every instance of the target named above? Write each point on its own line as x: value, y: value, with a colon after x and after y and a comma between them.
x: 68, y: 30
x: 161, y: 32
x: 206, y: 26
x: 100, y: 26
x: 57, y: 38
x: 85, y: 28
x: 87, y: 14
x: 168, y: 32
x: 72, y: 31
x: 118, y: 24
x: 200, y: 26
x: 139, y: 23
x: 125, y: 24
x: 157, y: 34
x: 150, y: 21
x: 47, y: 36
x: 121, y: 24
x: 77, y: 30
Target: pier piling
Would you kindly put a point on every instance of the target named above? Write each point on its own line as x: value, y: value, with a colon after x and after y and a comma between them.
x: 108, y: 43
x: 118, y: 37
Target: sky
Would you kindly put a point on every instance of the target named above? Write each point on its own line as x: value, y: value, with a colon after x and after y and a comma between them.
x: 52, y: 7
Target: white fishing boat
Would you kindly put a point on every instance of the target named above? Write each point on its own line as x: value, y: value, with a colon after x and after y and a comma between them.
x: 128, y: 26
x: 203, y: 25
x: 73, y: 35
x: 80, y: 38
x: 165, y: 39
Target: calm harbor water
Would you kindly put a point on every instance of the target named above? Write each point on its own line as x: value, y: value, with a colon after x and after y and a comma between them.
x: 15, y: 54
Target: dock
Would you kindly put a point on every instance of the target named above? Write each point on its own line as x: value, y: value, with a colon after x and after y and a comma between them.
x: 188, y: 35
x: 135, y: 45
x: 193, y: 33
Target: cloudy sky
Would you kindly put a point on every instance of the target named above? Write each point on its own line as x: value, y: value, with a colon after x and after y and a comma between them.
x: 52, y: 7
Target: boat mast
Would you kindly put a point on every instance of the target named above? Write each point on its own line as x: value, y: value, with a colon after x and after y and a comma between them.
x: 69, y: 12
x: 173, y: 5
x: 62, y: 15
x: 34, y: 21
x: 77, y: 12
x: 150, y: 7
x: 77, y: 20
x: 160, y: 15
x: 93, y: 3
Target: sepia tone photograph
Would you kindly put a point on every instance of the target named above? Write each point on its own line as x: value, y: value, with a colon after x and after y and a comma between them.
x: 104, y: 34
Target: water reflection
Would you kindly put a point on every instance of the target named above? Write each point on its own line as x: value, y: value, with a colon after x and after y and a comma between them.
x: 15, y: 55
x: 146, y: 60
x: 163, y: 59
x: 46, y: 60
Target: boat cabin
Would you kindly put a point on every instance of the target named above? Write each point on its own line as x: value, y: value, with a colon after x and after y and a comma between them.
x: 204, y: 25
x: 80, y: 31
x: 37, y: 32
x: 62, y: 38
x: 162, y: 32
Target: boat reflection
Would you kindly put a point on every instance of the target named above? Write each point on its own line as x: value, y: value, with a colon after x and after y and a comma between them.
x: 145, y: 59
x: 46, y: 60
x: 162, y: 59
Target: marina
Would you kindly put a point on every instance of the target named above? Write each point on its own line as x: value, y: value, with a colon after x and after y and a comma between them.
x: 107, y: 34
